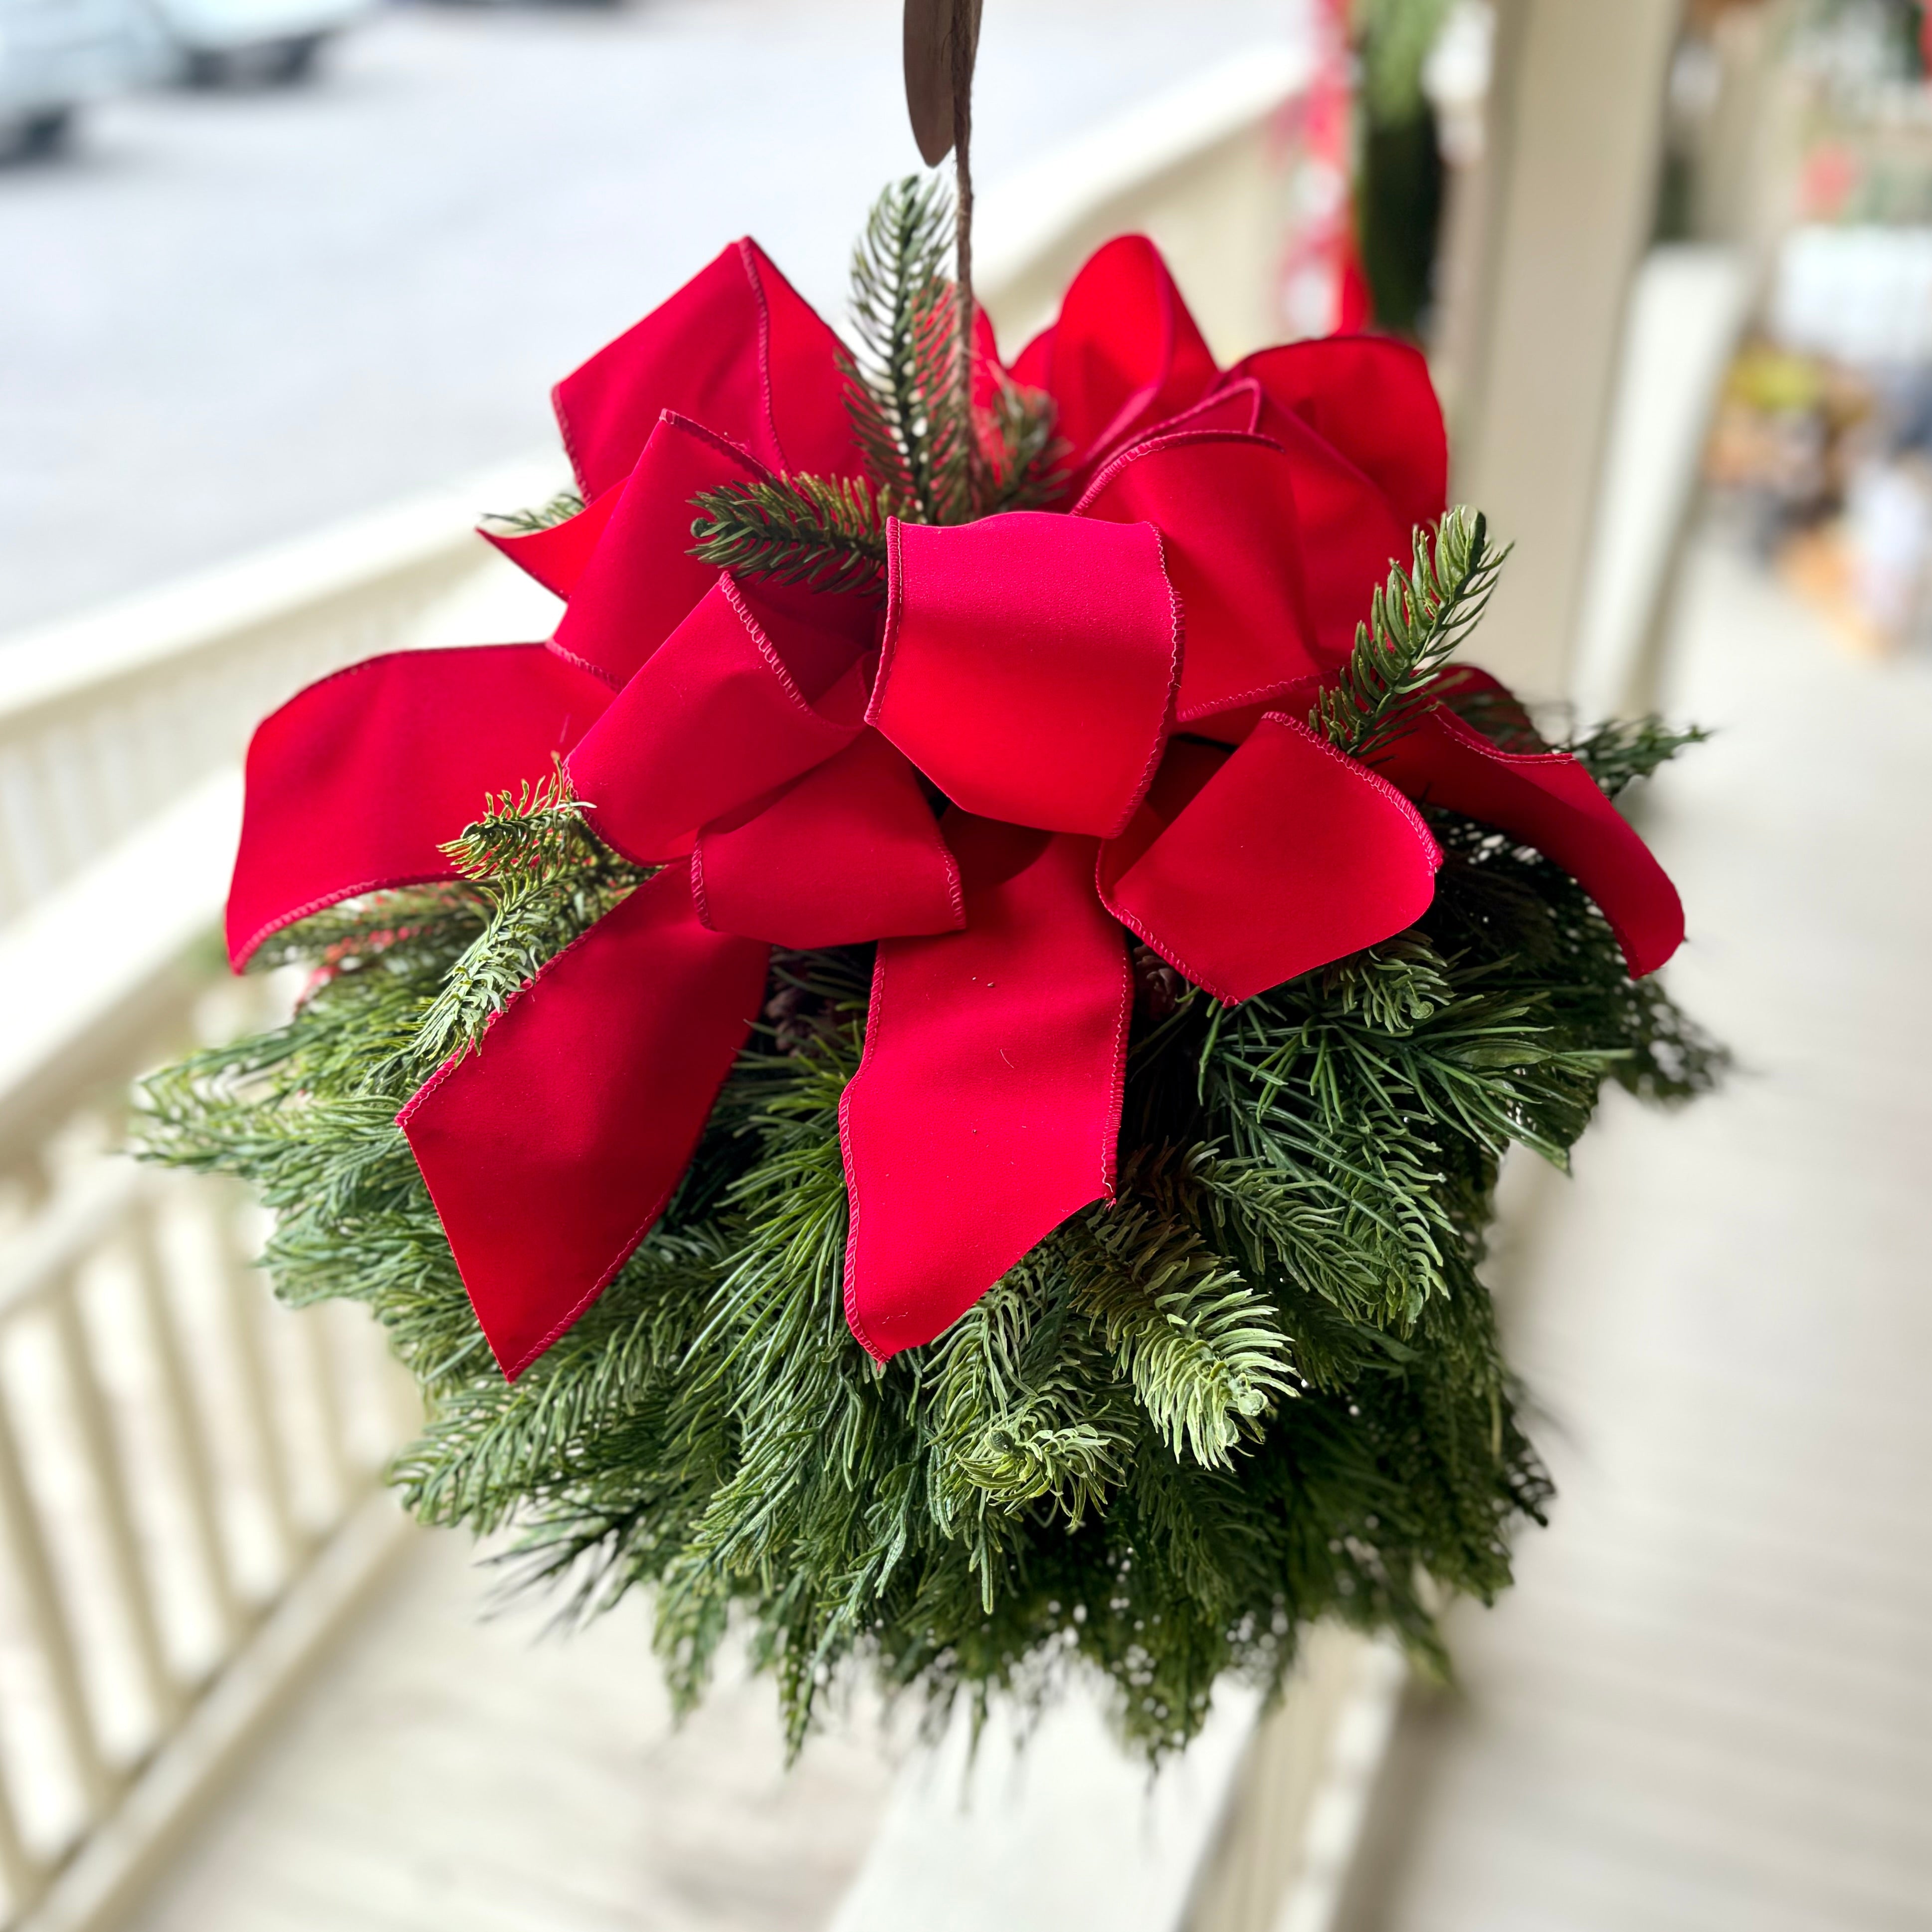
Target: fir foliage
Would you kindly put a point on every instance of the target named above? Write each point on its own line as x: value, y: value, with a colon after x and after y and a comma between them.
x: 1416, y: 623
x: 1264, y: 1387
x: 931, y: 456
x: 902, y: 391
x: 1621, y: 750
x: 827, y: 534
x: 934, y: 456
x: 560, y: 508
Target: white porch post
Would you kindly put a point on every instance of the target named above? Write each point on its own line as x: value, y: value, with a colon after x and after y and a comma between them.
x: 1576, y: 104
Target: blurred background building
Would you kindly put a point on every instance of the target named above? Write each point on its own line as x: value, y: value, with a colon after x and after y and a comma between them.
x: 283, y: 285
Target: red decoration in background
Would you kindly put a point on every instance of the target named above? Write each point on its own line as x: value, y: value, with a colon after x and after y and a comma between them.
x: 1323, y: 290
x: 766, y: 748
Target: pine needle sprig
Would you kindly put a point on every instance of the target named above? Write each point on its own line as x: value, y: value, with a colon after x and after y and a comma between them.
x: 560, y: 509
x: 1023, y: 460
x: 541, y: 874
x: 825, y: 533
x: 1204, y: 1351
x: 1618, y: 753
x: 902, y: 391
x: 1417, y: 621
x: 1014, y: 1420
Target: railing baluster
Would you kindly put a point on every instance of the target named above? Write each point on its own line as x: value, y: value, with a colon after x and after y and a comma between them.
x: 108, y: 1473
x: 246, y: 1305
x: 26, y: 1545
x: 24, y: 1873
x: 189, y: 1426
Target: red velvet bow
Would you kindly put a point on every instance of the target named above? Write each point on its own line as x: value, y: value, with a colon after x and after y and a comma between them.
x: 1227, y: 530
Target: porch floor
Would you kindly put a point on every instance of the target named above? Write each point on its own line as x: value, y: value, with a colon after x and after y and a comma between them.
x: 446, y: 1771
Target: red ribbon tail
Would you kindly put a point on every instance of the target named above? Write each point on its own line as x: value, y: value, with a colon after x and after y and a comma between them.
x: 987, y: 1108
x: 551, y: 1150
x: 1549, y: 801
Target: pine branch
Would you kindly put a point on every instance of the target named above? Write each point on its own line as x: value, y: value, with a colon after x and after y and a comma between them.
x: 827, y: 533
x: 560, y: 509
x: 900, y: 388
x: 1618, y: 753
x: 1417, y: 621
x: 1023, y: 460
x: 1014, y: 1421
x: 542, y: 874
x: 1204, y: 1351
x: 933, y: 457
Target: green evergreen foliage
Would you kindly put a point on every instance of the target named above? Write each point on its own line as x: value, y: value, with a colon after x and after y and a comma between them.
x: 1262, y: 1386
x: 560, y: 508
x: 828, y: 534
x: 901, y: 390
x: 930, y: 457
x: 1623, y: 750
x: 1417, y: 621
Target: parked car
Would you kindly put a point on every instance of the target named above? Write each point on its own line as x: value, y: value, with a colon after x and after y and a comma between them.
x: 56, y: 55
x: 218, y: 41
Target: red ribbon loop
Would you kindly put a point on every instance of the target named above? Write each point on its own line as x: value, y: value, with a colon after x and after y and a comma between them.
x: 1549, y: 801
x: 1243, y: 871
x: 642, y: 582
x: 736, y: 348
x: 558, y: 555
x: 1369, y: 399
x: 354, y: 785
x: 719, y: 715
x: 1030, y: 665
x: 1125, y: 353
x: 1224, y: 504
x: 851, y: 852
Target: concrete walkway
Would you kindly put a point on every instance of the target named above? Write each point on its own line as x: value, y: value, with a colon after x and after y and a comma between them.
x: 1709, y: 1703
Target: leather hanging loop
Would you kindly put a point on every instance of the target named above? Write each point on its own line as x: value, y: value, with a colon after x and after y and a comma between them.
x: 942, y: 42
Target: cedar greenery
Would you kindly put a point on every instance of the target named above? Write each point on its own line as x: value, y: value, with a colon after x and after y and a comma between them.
x: 1263, y: 1387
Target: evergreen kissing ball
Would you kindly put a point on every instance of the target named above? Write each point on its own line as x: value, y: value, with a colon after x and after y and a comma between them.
x: 962, y: 1073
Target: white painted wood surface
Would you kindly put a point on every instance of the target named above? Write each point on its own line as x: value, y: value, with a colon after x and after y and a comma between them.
x: 1687, y: 304
x: 1064, y: 1834
x: 108, y: 718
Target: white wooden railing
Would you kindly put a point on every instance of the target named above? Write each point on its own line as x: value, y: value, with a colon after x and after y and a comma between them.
x: 189, y: 1491
x: 188, y: 1501
x: 178, y: 1459
x: 107, y: 719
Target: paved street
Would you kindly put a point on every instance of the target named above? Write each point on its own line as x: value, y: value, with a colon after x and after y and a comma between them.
x: 228, y: 318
